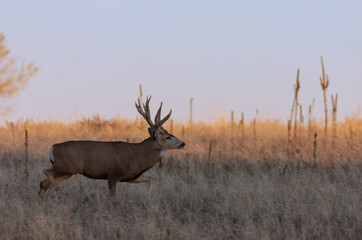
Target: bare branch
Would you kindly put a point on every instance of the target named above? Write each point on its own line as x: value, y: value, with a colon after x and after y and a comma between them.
x: 12, y: 80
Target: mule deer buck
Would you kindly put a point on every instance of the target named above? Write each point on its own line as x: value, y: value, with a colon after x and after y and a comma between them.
x: 113, y: 161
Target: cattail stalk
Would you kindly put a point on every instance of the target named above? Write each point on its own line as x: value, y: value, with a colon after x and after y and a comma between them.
x: 141, y: 95
x: 191, y: 100
x: 324, y: 80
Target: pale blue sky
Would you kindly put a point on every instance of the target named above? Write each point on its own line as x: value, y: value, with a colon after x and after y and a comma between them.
x: 227, y: 55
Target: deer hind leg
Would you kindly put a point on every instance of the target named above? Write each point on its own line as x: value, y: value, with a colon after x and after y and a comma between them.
x: 53, y: 178
x: 142, y: 179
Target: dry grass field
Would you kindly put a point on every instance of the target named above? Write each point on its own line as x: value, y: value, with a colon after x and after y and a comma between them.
x: 228, y: 183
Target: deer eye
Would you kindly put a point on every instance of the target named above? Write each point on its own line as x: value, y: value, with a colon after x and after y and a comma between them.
x: 168, y: 137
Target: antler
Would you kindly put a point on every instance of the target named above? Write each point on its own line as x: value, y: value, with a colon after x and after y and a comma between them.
x: 158, y: 114
x: 160, y: 122
x: 147, y: 115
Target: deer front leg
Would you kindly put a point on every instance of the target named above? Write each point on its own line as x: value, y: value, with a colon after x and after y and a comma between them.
x: 50, y: 173
x: 142, y: 179
x: 45, y: 184
x: 112, y: 184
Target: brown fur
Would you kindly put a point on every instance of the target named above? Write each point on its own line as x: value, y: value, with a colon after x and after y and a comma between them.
x: 114, y: 161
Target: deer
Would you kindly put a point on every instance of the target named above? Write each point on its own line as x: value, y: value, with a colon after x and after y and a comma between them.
x: 116, y: 161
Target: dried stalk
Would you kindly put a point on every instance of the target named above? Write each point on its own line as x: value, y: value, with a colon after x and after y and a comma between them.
x: 26, y: 154
x: 255, y: 137
x: 334, y: 117
x: 232, y: 132
x: 324, y: 80
x: 210, y: 150
x: 310, y: 121
x: 296, y: 90
x: 315, y: 147
x: 295, y: 125
x: 289, y: 140
x: 191, y: 100
x: 301, y: 119
x: 141, y: 95
x: 295, y: 109
x: 242, y: 127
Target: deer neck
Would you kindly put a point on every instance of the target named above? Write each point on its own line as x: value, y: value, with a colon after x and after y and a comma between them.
x: 155, y: 151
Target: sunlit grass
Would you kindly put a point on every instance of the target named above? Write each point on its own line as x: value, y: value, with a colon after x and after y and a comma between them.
x: 253, y: 190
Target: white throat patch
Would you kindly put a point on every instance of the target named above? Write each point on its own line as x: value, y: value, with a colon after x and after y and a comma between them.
x: 162, y: 153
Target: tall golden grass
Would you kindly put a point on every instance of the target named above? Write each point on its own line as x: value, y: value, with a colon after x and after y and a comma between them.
x: 230, y: 182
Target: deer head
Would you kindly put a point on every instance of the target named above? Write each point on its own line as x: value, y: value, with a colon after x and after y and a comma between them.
x: 165, y: 140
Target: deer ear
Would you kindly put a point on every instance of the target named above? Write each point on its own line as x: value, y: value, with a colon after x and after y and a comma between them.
x: 152, y: 132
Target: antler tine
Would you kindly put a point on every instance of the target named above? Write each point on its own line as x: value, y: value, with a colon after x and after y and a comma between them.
x: 138, y: 107
x: 158, y: 115
x: 146, y: 112
x: 163, y: 120
x: 146, y: 106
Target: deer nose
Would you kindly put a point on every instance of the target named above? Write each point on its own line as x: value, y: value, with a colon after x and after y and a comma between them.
x: 182, y: 145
